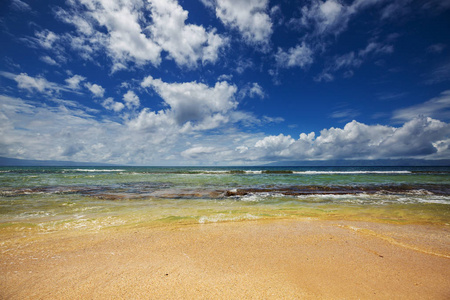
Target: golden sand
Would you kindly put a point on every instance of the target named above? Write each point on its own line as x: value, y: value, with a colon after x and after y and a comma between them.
x: 309, y: 259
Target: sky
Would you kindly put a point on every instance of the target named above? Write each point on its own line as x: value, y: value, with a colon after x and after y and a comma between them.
x: 224, y: 82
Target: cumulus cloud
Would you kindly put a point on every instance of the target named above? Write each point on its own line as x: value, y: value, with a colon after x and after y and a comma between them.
x: 131, y: 100
x: 186, y: 44
x: 74, y: 81
x: 276, y: 146
x: 36, y: 131
x: 70, y: 132
x: 360, y: 141
x: 97, y: 90
x: 150, y: 121
x: 42, y: 132
x: 124, y: 39
x: 249, y: 17
x: 29, y: 83
x: 137, y: 32
x: 194, y: 102
x: 110, y: 104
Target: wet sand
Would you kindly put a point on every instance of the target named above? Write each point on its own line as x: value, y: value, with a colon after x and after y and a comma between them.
x: 281, y: 259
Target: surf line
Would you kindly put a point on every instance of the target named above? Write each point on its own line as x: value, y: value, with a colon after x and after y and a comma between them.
x: 390, y: 240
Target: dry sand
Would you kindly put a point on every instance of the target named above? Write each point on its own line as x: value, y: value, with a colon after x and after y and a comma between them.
x: 309, y: 259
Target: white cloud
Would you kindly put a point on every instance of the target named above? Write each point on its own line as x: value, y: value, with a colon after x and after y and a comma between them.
x: 35, y: 84
x: 36, y: 131
x: 331, y: 17
x: 438, y: 107
x: 198, y: 152
x: 194, y: 102
x: 396, y: 9
x: 97, y: 90
x: 124, y: 40
x: 324, y: 76
x: 69, y: 132
x: 225, y: 77
x: 151, y: 121
x: 348, y: 60
x: 300, y: 56
x: 352, y: 60
x: 326, y: 16
x: 186, y: 44
x: 345, y: 114
x: 42, y: 132
x: 137, y: 32
x: 110, y: 104
x: 29, y: 83
x: 131, y: 100
x: 42, y: 85
x: 241, y: 149
x: 20, y: 6
x: 48, y: 60
x: 74, y: 81
x: 276, y: 146
x: 439, y: 74
x: 252, y: 90
x: 46, y: 39
x: 256, y: 91
x: 360, y: 141
x: 376, y: 48
x: 436, y: 48
x: 249, y: 17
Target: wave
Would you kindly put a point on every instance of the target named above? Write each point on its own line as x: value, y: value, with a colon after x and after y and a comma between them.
x: 281, y: 172
x: 221, y: 217
x: 413, y: 190
x: 362, y: 198
x: 94, y: 170
x: 349, y: 172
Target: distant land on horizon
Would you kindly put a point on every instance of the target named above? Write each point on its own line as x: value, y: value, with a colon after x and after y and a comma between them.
x: 15, y: 162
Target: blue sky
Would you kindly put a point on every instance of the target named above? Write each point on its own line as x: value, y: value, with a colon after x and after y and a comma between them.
x: 224, y: 82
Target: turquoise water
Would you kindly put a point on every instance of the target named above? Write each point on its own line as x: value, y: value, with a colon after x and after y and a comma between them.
x: 54, y: 198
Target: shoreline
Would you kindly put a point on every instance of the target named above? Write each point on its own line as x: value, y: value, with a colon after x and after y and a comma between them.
x: 247, y: 259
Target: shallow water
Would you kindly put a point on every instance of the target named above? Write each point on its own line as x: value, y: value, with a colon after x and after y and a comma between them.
x: 55, y: 198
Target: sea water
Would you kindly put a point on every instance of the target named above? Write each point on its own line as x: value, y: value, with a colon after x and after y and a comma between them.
x: 92, y: 198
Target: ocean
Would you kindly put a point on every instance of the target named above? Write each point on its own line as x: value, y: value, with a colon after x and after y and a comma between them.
x: 92, y: 198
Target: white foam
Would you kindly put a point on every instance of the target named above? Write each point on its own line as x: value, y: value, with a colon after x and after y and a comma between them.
x: 253, y: 172
x: 335, y: 196
x: 225, y: 217
x: 94, y: 170
x: 255, y: 197
x: 211, y: 171
x: 378, y: 198
x: 350, y: 172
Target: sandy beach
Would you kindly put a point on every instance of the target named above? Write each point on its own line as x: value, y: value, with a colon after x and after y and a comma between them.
x: 283, y: 259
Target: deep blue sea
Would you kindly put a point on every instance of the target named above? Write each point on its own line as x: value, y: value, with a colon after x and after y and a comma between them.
x: 91, y: 198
